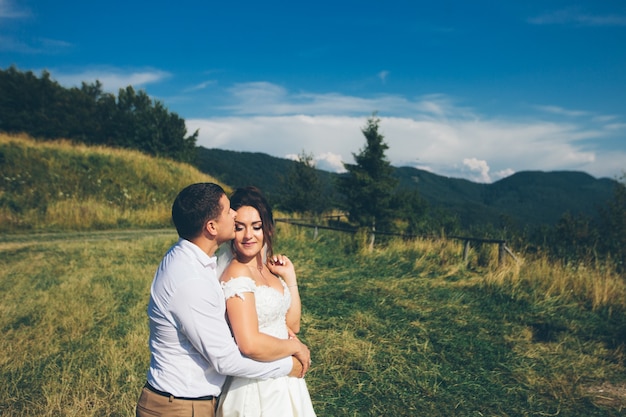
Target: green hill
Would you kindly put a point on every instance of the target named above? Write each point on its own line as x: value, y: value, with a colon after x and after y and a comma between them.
x: 240, y: 169
x: 525, y: 199
x: 64, y: 186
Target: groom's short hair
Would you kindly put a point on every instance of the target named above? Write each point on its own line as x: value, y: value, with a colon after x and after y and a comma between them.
x: 194, y: 206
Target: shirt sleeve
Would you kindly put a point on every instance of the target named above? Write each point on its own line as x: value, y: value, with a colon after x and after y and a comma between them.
x: 198, y: 306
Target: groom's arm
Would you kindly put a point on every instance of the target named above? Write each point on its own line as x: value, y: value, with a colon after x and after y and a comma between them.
x: 199, y: 311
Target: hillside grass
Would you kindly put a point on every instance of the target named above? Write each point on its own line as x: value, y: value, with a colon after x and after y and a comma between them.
x: 407, y: 329
x: 58, y: 185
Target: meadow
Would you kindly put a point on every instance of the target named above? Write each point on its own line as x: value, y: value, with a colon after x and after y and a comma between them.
x: 406, y: 329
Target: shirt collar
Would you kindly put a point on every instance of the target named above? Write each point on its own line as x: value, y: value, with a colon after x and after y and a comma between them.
x: 204, y: 259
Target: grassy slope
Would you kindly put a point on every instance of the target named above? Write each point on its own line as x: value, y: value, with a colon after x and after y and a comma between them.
x: 405, y: 330
x: 57, y: 185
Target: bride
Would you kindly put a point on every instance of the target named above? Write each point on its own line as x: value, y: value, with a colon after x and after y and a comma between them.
x: 262, y: 305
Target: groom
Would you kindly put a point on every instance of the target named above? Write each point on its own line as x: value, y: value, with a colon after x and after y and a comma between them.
x: 191, y: 346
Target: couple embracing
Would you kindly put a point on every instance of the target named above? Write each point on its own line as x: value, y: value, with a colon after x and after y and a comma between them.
x: 223, y: 343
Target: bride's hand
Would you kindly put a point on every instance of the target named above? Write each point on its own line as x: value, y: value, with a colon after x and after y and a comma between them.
x: 291, y: 334
x: 281, y: 265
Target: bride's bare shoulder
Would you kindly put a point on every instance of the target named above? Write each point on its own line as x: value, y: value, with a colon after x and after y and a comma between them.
x: 234, y: 270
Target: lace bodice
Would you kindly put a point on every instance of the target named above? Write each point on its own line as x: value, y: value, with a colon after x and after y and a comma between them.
x: 271, y: 305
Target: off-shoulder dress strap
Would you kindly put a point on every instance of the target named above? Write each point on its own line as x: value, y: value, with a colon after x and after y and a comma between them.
x: 236, y: 287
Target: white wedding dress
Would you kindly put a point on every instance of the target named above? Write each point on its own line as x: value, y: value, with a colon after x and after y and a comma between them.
x: 278, y: 397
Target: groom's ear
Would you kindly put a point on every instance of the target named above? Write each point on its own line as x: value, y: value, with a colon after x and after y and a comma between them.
x: 211, y: 227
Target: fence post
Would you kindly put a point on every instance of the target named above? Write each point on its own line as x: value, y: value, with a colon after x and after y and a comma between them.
x: 466, y: 250
x: 501, y: 253
x: 373, y: 237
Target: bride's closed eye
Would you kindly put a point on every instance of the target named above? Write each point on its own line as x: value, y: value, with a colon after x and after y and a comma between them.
x: 239, y: 227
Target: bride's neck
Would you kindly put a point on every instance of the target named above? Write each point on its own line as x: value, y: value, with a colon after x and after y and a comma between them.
x: 253, y: 261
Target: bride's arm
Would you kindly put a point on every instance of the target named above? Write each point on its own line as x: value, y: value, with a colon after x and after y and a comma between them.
x: 241, y: 312
x: 244, y: 324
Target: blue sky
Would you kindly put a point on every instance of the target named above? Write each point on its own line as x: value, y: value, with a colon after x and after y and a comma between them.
x: 475, y: 90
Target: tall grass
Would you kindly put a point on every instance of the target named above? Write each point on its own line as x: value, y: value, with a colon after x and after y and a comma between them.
x: 405, y: 329
x: 73, y: 324
x: 408, y: 328
x: 59, y: 185
x: 415, y: 331
x: 593, y: 285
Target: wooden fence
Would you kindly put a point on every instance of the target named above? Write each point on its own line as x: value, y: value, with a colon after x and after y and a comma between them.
x: 503, y: 249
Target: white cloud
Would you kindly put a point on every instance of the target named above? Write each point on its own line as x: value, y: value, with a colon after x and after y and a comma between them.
x: 282, y: 135
x: 432, y: 133
x: 615, y: 126
x: 263, y: 98
x: 42, y: 46
x: 479, y: 166
x: 563, y: 111
x: 329, y: 161
x: 503, y: 174
x: 8, y: 10
x: 574, y: 15
x: 439, y: 147
x: 10, y: 44
x: 33, y: 45
x: 112, y: 79
x: 201, y: 86
x: 383, y: 76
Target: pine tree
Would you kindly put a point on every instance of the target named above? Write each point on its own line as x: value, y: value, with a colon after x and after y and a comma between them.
x: 368, y: 186
x: 303, y: 189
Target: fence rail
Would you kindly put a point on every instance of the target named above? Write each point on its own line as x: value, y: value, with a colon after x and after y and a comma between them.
x: 503, y: 249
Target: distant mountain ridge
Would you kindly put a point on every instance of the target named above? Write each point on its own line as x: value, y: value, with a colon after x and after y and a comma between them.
x: 529, y: 198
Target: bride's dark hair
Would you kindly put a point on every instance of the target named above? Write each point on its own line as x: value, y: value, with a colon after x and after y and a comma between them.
x: 253, y: 197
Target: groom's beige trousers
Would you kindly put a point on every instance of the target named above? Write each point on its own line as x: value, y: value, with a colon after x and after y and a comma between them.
x: 151, y: 404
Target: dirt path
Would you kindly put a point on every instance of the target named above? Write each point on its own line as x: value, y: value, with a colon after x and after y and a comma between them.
x: 20, y: 240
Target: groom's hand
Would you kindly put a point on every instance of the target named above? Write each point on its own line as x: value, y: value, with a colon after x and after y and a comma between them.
x: 297, y: 370
x: 303, y: 356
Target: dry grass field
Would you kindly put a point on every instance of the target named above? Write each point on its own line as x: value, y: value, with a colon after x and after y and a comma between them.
x: 406, y: 329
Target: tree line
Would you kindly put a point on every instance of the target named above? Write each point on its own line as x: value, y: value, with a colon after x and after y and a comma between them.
x: 43, y: 109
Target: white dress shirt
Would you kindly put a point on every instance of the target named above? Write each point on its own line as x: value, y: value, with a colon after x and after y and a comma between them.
x: 191, y: 346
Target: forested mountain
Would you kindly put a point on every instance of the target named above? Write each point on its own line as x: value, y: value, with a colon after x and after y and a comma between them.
x: 525, y: 199
x: 239, y: 169
x: 529, y: 198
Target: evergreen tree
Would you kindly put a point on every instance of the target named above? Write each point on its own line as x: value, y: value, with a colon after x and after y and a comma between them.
x: 368, y: 186
x: 412, y: 209
x: 302, y: 188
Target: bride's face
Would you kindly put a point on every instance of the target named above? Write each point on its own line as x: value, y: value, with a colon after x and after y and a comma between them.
x: 248, y: 232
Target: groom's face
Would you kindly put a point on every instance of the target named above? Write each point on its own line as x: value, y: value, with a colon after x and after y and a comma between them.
x: 226, y: 221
